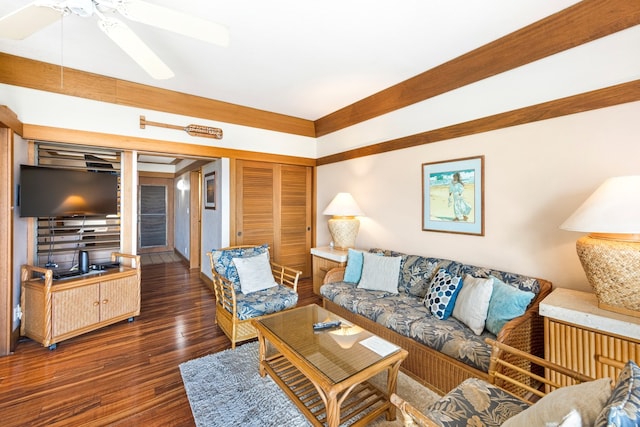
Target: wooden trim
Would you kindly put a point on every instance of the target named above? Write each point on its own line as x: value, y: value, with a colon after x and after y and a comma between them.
x: 195, y: 219
x: 153, y: 146
x: 128, y: 204
x: 584, y: 22
x: 18, y: 71
x: 6, y: 239
x: 161, y: 175
x: 601, y: 98
x: 9, y: 119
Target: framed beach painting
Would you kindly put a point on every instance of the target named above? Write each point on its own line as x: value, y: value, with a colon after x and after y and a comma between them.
x: 453, y: 196
x: 210, y: 190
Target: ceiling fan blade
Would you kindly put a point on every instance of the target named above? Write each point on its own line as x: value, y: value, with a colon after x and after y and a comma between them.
x: 133, y: 46
x: 175, y: 21
x: 25, y: 21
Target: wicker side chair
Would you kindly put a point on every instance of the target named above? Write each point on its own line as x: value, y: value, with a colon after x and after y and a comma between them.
x: 491, y: 396
x: 234, y: 309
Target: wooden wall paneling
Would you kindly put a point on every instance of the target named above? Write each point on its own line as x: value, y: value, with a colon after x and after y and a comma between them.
x: 586, y: 21
x: 128, y: 203
x: 6, y: 239
x: 600, y: 98
x: 195, y: 219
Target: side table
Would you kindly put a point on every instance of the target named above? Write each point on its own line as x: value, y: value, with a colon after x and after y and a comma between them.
x: 324, y: 259
x: 581, y: 336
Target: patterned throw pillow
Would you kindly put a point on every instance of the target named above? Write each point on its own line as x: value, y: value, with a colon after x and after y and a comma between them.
x: 623, y: 407
x: 441, y: 297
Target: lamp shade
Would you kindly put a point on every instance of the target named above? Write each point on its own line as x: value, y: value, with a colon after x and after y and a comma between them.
x: 343, y: 205
x: 614, y: 208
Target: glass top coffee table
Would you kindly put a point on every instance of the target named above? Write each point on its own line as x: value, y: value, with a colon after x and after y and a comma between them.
x: 325, y: 372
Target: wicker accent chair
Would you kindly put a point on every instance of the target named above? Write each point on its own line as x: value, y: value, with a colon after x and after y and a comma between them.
x: 455, y: 408
x: 234, y: 309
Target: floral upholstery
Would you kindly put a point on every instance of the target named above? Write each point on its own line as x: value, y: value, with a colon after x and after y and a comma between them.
x: 267, y: 301
x: 623, y: 407
x: 405, y: 313
x: 223, y: 261
x: 475, y: 403
x: 258, y: 303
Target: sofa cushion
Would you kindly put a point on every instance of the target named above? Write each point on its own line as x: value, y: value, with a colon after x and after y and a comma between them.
x: 507, y: 302
x: 396, y: 312
x: 267, y: 301
x: 588, y: 399
x: 223, y: 261
x: 441, y: 297
x: 417, y: 272
x: 623, y: 407
x: 353, y: 271
x: 475, y: 402
x: 455, y: 339
x: 472, y: 302
x: 380, y: 273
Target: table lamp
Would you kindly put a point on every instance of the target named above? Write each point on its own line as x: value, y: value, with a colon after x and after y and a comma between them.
x: 610, y: 254
x: 344, y: 225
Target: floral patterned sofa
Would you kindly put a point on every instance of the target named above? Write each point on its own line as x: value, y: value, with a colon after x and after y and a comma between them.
x: 442, y: 352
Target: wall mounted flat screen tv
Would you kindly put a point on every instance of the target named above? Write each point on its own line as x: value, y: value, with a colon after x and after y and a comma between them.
x: 51, y: 192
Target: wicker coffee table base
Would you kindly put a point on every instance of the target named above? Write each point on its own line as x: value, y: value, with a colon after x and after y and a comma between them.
x: 325, y: 403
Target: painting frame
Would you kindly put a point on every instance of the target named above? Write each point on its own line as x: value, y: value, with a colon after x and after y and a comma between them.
x: 453, y: 196
x: 209, y: 190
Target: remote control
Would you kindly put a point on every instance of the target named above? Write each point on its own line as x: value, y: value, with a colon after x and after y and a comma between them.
x: 326, y: 325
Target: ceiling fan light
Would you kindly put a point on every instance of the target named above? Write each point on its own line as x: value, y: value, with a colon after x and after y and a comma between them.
x: 133, y: 46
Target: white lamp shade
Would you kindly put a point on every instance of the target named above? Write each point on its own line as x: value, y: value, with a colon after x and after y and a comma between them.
x: 614, y: 208
x: 343, y: 205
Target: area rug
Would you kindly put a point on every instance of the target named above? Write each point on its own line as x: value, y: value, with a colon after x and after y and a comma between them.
x: 225, y: 389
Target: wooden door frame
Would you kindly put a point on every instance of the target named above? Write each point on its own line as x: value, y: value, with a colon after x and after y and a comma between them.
x: 6, y: 238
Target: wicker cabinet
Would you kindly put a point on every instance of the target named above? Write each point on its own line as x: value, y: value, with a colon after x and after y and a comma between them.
x: 57, y: 310
x: 324, y: 259
x: 582, y: 337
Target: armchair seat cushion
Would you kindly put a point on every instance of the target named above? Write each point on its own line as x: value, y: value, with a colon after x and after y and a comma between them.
x: 266, y: 301
x: 475, y: 402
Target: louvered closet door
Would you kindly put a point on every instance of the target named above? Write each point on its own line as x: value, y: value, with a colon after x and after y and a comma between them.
x: 274, y: 206
x: 256, y: 211
x: 295, y: 217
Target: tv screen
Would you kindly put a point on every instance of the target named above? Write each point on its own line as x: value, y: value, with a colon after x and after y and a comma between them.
x: 50, y: 192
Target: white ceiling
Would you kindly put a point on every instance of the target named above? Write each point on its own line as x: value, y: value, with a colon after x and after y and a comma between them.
x: 302, y: 58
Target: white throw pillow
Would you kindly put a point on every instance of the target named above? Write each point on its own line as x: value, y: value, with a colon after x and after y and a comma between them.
x: 472, y: 303
x: 587, y: 398
x: 380, y: 273
x: 254, y: 273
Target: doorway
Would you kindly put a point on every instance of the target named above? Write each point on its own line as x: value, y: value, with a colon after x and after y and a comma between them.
x: 155, y: 215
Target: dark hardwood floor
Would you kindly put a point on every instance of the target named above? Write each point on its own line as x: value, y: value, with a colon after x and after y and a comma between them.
x: 124, y: 374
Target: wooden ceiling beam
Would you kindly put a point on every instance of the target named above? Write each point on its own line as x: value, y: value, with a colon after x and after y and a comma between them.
x: 584, y: 22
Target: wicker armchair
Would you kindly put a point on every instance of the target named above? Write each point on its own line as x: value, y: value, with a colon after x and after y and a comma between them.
x: 235, y: 310
x: 499, y: 387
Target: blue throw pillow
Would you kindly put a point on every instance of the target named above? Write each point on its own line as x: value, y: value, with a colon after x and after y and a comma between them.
x: 507, y: 302
x: 354, y: 266
x: 623, y: 407
x: 441, y: 297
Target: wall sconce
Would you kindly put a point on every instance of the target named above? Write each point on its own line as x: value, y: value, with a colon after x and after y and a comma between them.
x: 344, y: 225
x: 610, y: 254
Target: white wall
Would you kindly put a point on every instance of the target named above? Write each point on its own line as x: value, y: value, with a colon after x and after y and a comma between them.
x: 181, y: 199
x: 215, y: 222
x: 536, y: 175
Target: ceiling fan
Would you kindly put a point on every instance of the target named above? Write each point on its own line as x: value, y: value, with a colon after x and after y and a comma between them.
x: 41, y: 13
